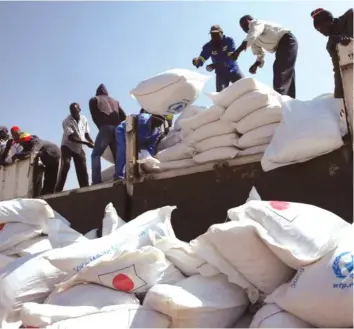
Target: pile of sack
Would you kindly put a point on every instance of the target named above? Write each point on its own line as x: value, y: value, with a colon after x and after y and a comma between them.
x: 268, y: 266
x: 241, y: 122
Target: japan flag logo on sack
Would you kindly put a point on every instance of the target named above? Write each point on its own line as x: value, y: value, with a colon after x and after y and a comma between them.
x: 125, y: 279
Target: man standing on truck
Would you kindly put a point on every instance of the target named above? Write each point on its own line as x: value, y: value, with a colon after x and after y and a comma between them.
x: 219, y: 48
x: 47, y: 152
x: 149, y: 135
x: 339, y: 31
x: 76, y: 134
x: 276, y: 39
x: 107, y: 115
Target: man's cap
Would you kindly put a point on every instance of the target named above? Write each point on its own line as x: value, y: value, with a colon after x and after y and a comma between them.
x: 316, y: 12
x: 321, y: 15
x: 216, y: 29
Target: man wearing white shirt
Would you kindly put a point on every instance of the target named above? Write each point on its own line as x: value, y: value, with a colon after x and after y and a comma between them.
x: 276, y: 39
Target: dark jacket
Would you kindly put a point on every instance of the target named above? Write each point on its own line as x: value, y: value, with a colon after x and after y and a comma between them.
x: 343, y: 27
x: 104, y: 109
x: 38, y: 145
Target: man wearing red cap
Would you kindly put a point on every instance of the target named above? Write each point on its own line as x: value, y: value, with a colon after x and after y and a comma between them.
x: 262, y: 35
x: 47, y: 152
x: 339, y: 31
x: 219, y: 48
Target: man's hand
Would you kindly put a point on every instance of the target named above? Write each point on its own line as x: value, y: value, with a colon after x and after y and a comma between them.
x: 195, y: 62
x: 234, y: 56
x: 335, y: 39
x: 238, y: 51
x: 90, y: 145
x: 254, y: 67
x: 345, y: 41
x: 210, y: 67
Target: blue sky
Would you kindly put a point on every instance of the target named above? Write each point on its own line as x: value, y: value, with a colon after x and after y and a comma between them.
x: 55, y: 53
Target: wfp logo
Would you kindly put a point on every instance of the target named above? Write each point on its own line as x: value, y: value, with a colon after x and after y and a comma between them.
x: 178, y: 107
x: 343, y: 266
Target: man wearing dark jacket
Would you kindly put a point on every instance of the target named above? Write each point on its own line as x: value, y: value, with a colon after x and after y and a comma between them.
x: 47, y: 152
x: 107, y: 115
x: 339, y: 31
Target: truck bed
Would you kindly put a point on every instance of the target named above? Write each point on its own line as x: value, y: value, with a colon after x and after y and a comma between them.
x: 202, y: 198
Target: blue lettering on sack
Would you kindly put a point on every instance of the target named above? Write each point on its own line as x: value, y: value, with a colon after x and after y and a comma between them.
x: 342, y: 267
x: 297, y: 277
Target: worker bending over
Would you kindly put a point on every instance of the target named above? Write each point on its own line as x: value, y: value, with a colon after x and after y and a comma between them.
x: 339, y: 31
x: 47, y: 152
x: 149, y: 134
x: 219, y: 48
x: 262, y: 36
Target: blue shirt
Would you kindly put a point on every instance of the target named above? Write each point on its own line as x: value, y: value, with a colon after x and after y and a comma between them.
x: 220, y: 55
x: 147, y: 140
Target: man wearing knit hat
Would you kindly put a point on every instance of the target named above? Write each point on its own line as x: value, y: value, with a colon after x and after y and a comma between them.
x: 218, y: 49
x: 339, y: 31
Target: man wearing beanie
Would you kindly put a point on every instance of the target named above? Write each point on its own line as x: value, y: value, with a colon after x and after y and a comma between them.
x: 276, y: 39
x: 339, y: 31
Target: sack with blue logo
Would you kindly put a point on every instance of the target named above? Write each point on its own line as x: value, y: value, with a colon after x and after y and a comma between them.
x: 322, y: 293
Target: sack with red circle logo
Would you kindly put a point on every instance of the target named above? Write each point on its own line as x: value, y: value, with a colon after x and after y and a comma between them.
x: 130, y: 271
x: 298, y: 234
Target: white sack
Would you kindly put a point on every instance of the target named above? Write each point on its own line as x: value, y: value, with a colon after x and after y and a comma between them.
x: 178, y: 164
x: 250, y: 102
x: 5, y: 260
x: 253, y: 150
x: 258, y: 118
x: 172, y: 138
x: 217, y: 141
x: 217, y: 154
x: 34, y: 212
x: 239, y: 244
x: 322, y: 293
x: 254, y: 195
x: 30, y: 247
x: 12, y: 234
x: 308, y: 129
x: 259, y: 136
x: 271, y: 316
x: 169, y: 92
x: 181, y: 255
x: 61, y: 235
x: 133, y: 235
x: 148, y: 163
x: 209, y: 115
x: 178, y: 152
x: 291, y: 230
x: 91, y: 235
x: 199, y: 302
x: 132, y: 271
x: 123, y: 317
x: 90, y: 294
x: 213, y: 129
x: 188, y: 112
x: 227, y: 96
x: 111, y: 221
x: 26, y: 279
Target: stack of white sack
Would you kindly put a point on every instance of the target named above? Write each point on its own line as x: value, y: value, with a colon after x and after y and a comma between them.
x: 308, y: 129
x: 255, y: 111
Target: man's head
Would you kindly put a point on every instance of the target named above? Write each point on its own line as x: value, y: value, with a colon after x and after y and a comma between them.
x: 322, y: 21
x: 101, y: 90
x: 245, y: 22
x: 16, y: 133
x: 4, y: 133
x: 75, y: 110
x: 216, y: 33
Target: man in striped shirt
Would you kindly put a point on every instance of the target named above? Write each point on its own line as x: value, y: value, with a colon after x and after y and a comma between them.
x: 276, y: 39
x: 76, y: 134
x: 219, y: 48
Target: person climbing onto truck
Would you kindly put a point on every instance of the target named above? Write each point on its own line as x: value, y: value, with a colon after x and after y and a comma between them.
x: 219, y: 48
x: 47, y: 152
x: 149, y: 135
x: 339, y: 31
x: 276, y: 39
x: 107, y: 114
x: 76, y: 134
x: 4, y: 141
